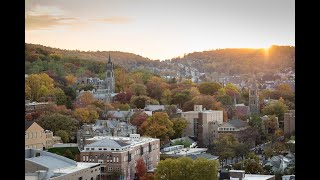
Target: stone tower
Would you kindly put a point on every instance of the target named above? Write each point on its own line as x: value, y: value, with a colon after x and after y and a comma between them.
x: 254, y: 98
x: 110, y: 82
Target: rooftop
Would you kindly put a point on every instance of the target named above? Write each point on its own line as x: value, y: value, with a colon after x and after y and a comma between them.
x: 237, y: 123
x: 56, y: 164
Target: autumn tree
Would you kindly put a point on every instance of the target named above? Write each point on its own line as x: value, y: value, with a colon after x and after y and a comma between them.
x: 232, y: 90
x: 277, y: 108
x: 209, y: 88
x: 166, y: 97
x: 194, y: 91
x: 158, y: 126
x: 86, y: 98
x: 39, y: 85
x: 138, y: 118
x: 86, y: 115
x: 140, y: 169
x: 56, y: 121
x: 123, y: 97
x: 251, y: 165
x: 155, y: 87
x: 64, y: 135
x: 186, y: 168
x: 180, y: 98
x: 139, y: 101
x: 179, y: 124
x: 138, y: 89
x: 70, y: 79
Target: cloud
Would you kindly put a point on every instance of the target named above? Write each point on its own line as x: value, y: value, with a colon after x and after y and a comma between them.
x: 46, y: 21
x: 114, y: 20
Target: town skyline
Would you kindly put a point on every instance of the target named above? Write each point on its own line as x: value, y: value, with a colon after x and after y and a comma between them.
x: 159, y: 30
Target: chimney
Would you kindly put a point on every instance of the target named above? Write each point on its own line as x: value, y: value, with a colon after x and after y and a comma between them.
x: 198, y: 108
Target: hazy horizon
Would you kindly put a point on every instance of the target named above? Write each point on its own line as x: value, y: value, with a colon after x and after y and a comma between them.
x: 159, y: 29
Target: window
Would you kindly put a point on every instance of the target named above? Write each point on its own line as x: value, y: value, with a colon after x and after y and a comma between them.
x: 100, y: 149
x: 35, y: 134
x: 31, y: 135
x: 27, y: 135
x: 117, y: 169
x: 104, y: 148
x: 84, y: 158
x: 92, y: 148
x: 40, y: 133
x: 109, y: 169
x: 87, y: 148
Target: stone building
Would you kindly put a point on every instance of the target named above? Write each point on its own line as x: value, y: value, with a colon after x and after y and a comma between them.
x: 202, y: 124
x: 289, y: 122
x: 120, y: 154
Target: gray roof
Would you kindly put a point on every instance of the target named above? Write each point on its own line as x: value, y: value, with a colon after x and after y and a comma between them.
x: 27, y: 124
x: 203, y: 155
x: 120, y: 114
x: 237, y: 123
x: 50, y: 162
x: 154, y: 107
x: 108, y: 143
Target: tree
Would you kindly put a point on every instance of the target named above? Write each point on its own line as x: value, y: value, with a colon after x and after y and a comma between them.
x: 138, y: 118
x: 86, y: 115
x: 225, y: 99
x: 179, y: 124
x: 138, y: 89
x: 194, y: 91
x: 139, y: 101
x: 209, y: 88
x: 187, y: 169
x: 158, y: 126
x: 166, y: 97
x: 180, y: 98
x: 56, y: 121
x: 206, y: 101
x: 70, y: 79
x: 141, y: 169
x: 271, y: 124
x: 39, y: 85
x: 277, y: 108
x: 86, y: 98
x: 155, y: 87
x: 123, y: 97
x: 223, y: 146
x: 186, y: 144
x: 232, y: 90
x: 64, y: 135
x: 61, y: 98
x: 124, y: 107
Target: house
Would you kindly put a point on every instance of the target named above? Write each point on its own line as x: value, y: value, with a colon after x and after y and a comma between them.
x: 36, y: 137
x: 119, y: 154
x: 279, y: 163
x: 288, y: 177
x: 242, y: 111
x: 202, y: 124
x: 154, y: 108
x: 104, y: 128
x: 233, y: 126
x: 203, y: 155
x: 45, y: 165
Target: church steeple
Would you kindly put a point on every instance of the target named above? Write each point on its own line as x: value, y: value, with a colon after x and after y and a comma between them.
x: 109, y: 60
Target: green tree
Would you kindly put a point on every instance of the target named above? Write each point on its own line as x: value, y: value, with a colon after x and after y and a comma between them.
x: 139, y: 101
x: 138, y: 89
x: 277, y: 108
x: 209, y: 88
x: 179, y: 124
x: 158, y: 126
x: 166, y: 97
x: 56, y: 121
x: 64, y: 135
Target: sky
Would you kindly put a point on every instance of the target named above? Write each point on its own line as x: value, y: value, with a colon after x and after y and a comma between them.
x: 159, y: 29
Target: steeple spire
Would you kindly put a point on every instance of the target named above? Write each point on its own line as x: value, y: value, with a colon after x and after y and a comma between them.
x: 109, y: 61
x: 234, y: 100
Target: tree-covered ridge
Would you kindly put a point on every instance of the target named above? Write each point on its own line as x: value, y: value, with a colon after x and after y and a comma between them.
x: 240, y: 60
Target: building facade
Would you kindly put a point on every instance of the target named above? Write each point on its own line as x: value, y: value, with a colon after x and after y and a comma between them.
x: 254, y: 103
x: 289, y: 122
x: 120, y: 154
x: 36, y: 137
x: 202, y: 124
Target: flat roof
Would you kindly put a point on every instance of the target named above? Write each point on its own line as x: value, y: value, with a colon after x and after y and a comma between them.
x: 78, y: 167
x: 257, y: 177
x: 187, y: 151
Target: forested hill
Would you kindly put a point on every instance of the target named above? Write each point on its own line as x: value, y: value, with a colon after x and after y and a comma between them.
x: 219, y: 62
x: 124, y: 59
x: 241, y: 60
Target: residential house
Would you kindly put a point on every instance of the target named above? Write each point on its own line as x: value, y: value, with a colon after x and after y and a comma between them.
x: 36, y: 137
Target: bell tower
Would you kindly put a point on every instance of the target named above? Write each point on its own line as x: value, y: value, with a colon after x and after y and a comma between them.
x: 110, y: 83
